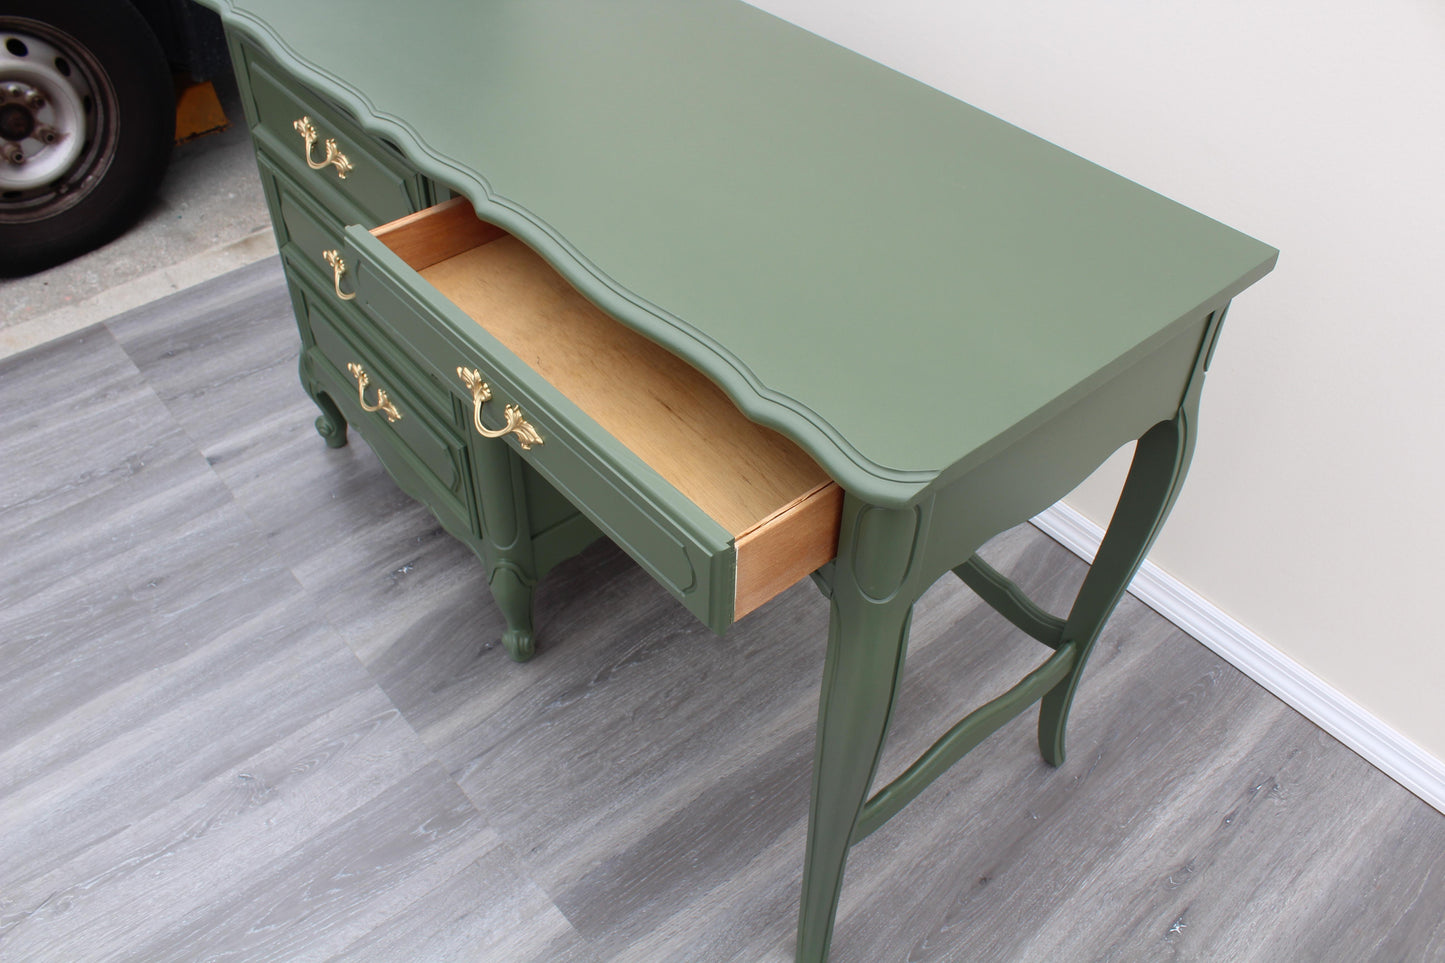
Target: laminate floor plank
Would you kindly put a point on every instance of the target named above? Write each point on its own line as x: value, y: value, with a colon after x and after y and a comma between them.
x: 490, y: 911
x: 314, y: 901
x: 252, y: 707
x: 217, y: 374
x: 1388, y: 904
x: 186, y: 744
x: 129, y: 750
x: 1218, y: 851
x: 134, y: 625
x: 342, y: 526
x: 604, y: 830
x: 80, y: 466
x: 195, y: 851
x: 601, y: 826
x: 176, y: 588
x: 231, y: 383
x: 80, y: 418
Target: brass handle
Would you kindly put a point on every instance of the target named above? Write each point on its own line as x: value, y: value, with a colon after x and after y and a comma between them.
x: 481, y: 394
x: 383, y: 403
x: 333, y: 157
x: 338, y: 268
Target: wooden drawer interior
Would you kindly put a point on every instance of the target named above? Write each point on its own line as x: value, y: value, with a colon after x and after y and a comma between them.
x: 780, y: 507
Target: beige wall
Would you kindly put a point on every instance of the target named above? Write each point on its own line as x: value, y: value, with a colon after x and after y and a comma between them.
x: 1313, y: 513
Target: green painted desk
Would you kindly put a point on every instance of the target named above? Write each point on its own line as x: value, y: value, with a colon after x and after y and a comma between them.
x: 747, y: 303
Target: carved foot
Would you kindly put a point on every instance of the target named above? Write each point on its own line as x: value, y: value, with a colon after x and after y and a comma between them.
x: 513, y: 593
x: 332, y: 432
x: 520, y: 644
x: 331, y: 426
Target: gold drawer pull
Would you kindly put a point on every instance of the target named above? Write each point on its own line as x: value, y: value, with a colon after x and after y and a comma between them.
x: 383, y: 403
x: 338, y: 268
x: 481, y: 394
x: 334, y: 157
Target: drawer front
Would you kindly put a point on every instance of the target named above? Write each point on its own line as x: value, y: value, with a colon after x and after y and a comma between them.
x: 675, y: 541
x: 301, y: 223
x: 377, y: 183
x: 306, y: 233
x: 421, y: 448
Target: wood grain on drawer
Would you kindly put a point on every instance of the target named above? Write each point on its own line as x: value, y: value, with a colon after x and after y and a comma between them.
x: 780, y: 507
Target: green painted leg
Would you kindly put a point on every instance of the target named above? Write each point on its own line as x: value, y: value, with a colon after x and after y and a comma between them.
x: 331, y: 426
x: 1155, y: 476
x: 511, y: 563
x: 867, y: 638
x: 513, y: 593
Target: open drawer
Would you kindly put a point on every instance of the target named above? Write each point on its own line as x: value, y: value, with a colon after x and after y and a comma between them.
x: 722, y: 511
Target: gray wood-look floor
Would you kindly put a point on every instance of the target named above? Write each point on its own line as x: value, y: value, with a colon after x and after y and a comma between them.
x: 252, y: 708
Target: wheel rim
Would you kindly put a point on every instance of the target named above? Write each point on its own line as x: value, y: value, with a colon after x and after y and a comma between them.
x: 58, y: 126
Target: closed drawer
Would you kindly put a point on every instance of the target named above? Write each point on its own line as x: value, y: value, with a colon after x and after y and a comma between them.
x: 417, y: 441
x: 306, y: 233
x: 341, y: 159
x: 723, y: 512
x: 301, y: 223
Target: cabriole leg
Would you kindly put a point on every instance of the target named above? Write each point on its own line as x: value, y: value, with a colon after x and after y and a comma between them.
x: 1161, y: 459
x: 512, y: 589
x: 331, y: 426
x: 867, y: 638
x: 511, y: 565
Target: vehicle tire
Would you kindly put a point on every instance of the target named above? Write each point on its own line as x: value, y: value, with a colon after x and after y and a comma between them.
x: 87, y: 118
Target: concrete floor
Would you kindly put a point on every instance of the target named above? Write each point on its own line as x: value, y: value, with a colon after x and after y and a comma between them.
x: 209, y: 218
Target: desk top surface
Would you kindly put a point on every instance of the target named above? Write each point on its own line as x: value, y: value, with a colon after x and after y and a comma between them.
x: 898, y: 281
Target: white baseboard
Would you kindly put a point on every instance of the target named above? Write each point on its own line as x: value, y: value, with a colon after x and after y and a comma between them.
x: 1327, y: 707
